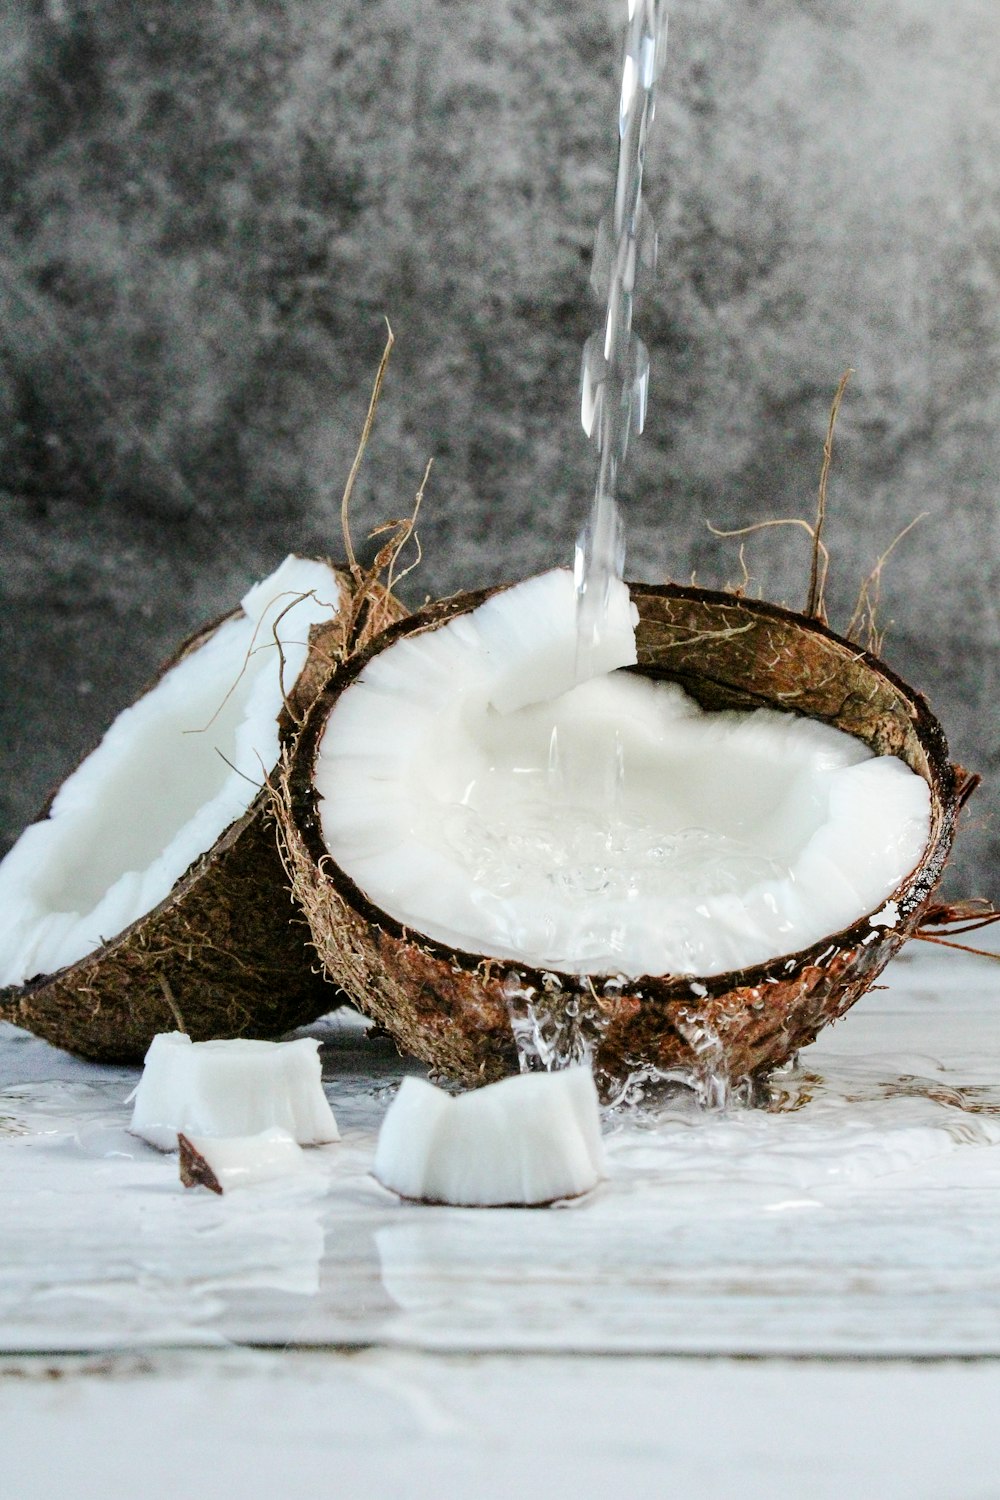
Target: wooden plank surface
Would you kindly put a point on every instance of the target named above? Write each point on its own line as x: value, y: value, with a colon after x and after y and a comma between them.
x: 859, y: 1215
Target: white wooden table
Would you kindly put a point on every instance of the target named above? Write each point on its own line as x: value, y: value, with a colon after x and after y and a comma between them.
x: 752, y: 1303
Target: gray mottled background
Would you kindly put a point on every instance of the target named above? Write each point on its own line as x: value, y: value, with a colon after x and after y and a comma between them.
x: 207, y: 209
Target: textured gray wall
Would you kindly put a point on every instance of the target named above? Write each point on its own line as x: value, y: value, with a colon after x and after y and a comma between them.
x: 207, y: 209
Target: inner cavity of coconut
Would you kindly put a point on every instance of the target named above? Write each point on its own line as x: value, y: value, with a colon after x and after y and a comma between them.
x: 172, y: 773
x: 613, y: 828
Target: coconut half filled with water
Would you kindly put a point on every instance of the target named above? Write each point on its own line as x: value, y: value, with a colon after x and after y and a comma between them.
x: 688, y: 864
x: 150, y: 892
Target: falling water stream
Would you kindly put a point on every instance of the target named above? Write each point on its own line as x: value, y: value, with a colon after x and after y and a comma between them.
x: 614, y: 390
x: 614, y: 386
x: 615, y: 376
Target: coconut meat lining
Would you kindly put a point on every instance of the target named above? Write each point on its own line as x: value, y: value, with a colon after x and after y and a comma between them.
x: 614, y: 828
x: 172, y: 773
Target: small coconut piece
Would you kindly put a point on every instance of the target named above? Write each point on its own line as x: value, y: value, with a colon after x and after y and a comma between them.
x: 221, y: 1163
x: 237, y: 1087
x: 453, y: 1001
x: 528, y: 1141
x: 151, y: 888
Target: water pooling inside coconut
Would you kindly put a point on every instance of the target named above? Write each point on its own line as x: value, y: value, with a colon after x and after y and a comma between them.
x: 688, y: 858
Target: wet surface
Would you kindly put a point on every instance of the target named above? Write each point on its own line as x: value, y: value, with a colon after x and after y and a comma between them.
x: 856, y: 1211
x: 395, y: 1422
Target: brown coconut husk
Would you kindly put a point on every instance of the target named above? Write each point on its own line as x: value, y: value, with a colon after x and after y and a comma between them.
x: 457, y: 1010
x: 225, y: 954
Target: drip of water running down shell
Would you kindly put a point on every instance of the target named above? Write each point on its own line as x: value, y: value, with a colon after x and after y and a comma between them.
x: 615, y: 361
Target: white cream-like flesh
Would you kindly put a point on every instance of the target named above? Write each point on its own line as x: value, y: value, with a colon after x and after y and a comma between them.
x: 231, y: 1088
x: 526, y: 1140
x: 612, y: 828
x: 175, y: 769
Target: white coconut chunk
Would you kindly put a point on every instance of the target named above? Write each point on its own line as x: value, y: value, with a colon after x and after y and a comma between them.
x: 226, y: 1162
x: 174, y: 770
x: 231, y: 1088
x: 614, y: 828
x: 526, y: 1140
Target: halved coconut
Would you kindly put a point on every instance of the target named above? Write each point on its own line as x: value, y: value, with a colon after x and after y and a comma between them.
x: 843, y: 839
x: 151, y: 889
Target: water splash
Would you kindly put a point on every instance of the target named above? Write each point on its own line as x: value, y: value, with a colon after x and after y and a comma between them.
x: 552, y: 1030
x: 615, y: 376
x: 647, y: 1095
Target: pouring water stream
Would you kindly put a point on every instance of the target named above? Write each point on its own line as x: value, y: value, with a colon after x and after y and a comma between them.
x: 615, y: 376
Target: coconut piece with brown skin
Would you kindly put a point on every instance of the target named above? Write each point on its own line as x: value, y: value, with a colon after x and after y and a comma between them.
x: 208, y: 937
x: 457, y: 1009
x: 221, y: 1163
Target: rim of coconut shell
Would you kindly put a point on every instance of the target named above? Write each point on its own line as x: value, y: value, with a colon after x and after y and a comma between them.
x: 109, y: 1004
x: 926, y: 744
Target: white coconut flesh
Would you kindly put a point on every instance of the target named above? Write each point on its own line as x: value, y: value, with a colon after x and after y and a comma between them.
x: 612, y: 828
x: 229, y: 1088
x: 175, y: 769
x: 526, y: 1140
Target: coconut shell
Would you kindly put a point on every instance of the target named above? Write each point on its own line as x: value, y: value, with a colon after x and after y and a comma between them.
x: 455, y: 1009
x: 226, y: 953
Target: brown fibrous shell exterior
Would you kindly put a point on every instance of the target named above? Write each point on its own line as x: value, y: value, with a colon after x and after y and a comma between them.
x: 227, y: 953
x: 454, y: 1009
